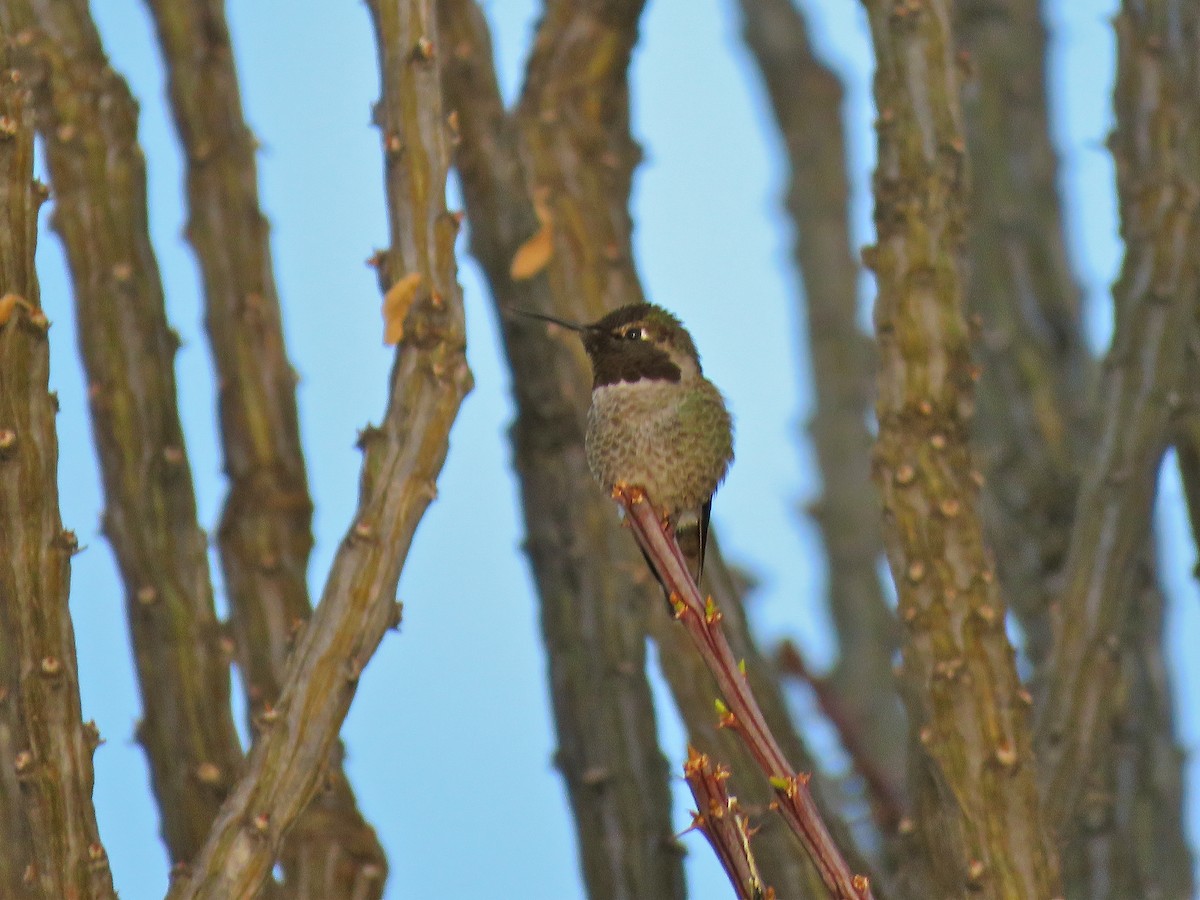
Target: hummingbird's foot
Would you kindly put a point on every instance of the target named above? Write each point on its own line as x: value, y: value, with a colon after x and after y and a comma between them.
x: 623, y: 491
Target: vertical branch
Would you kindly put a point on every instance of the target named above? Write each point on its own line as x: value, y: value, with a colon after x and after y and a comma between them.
x: 51, y: 846
x: 587, y: 570
x: 403, y: 457
x: 806, y: 98
x: 976, y: 800
x: 265, y: 534
x: 89, y: 121
x: 1035, y: 443
x: 1031, y: 429
x: 1157, y: 150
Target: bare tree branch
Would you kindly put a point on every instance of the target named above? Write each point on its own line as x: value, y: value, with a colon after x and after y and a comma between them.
x: 89, y: 121
x: 51, y: 846
x: 402, y: 460
x: 1036, y: 440
x: 806, y: 98
x: 1032, y: 427
x: 966, y: 705
x: 1157, y: 150
x: 720, y: 819
x: 594, y: 596
x: 265, y: 534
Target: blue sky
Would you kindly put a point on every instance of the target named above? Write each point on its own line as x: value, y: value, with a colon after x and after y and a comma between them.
x: 450, y: 738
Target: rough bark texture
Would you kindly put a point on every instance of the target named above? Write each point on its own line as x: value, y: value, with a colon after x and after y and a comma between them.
x: 265, y: 533
x: 402, y: 460
x: 89, y: 122
x: 806, y: 99
x: 1157, y: 150
x: 594, y: 599
x: 51, y: 846
x: 977, y: 814
x: 1032, y: 430
x: 1036, y: 439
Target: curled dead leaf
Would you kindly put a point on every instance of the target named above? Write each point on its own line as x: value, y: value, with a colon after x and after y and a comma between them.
x: 396, y: 303
x: 534, y: 255
x: 9, y: 304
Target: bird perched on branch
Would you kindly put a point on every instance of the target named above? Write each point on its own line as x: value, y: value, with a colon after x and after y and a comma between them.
x: 655, y: 421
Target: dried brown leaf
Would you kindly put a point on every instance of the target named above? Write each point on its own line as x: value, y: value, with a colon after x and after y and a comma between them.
x: 396, y: 303
x: 535, y: 254
x: 9, y: 304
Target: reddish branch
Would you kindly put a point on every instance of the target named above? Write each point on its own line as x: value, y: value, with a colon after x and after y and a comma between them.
x: 882, y: 793
x: 739, y: 710
x: 727, y: 829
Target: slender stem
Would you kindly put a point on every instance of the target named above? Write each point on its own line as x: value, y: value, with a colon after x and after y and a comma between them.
x: 720, y: 819
x: 702, y: 620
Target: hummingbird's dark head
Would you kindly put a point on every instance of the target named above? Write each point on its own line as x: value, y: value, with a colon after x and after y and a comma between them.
x: 640, y: 341
x: 634, y: 342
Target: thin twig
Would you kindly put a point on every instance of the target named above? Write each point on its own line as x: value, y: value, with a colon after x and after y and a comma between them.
x: 780, y: 858
x: 720, y: 819
x: 739, y: 710
x: 881, y: 792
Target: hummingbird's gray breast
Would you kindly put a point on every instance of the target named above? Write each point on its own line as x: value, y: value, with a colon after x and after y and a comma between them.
x: 674, y: 439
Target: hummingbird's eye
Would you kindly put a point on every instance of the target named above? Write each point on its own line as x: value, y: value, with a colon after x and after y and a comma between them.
x: 634, y: 334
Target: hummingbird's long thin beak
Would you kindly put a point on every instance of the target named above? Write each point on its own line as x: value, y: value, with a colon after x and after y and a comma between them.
x: 530, y: 314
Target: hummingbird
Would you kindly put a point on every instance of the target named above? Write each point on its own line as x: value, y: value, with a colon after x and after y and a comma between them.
x: 655, y: 421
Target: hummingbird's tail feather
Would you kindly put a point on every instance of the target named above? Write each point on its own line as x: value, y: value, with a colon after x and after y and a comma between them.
x: 692, y: 545
x: 691, y: 530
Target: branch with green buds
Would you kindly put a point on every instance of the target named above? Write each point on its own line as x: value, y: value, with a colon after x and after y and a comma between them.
x: 738, y: 709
